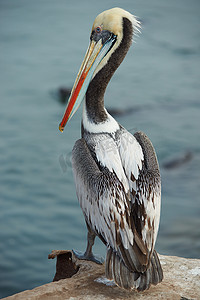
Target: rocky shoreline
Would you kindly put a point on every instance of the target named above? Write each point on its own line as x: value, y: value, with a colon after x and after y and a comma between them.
x: 181, y: 282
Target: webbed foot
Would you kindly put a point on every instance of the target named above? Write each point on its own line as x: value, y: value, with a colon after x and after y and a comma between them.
x: 84, y: 256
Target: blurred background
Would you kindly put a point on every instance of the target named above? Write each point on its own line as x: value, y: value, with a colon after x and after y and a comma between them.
x: 42, y: 44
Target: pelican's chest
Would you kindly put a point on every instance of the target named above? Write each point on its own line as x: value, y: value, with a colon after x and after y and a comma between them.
x: 105, y: 150
x: 103, y: 144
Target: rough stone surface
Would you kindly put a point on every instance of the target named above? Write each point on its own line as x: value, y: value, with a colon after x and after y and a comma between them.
x: 181, y: 282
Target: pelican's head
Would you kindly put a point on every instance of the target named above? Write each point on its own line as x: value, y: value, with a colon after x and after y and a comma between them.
x: 106, y: 37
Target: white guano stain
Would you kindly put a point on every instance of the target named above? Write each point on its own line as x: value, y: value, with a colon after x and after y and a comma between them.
x: 195, y: 271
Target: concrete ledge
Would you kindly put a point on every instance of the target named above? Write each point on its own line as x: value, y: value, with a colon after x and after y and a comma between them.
x: 181, y: 282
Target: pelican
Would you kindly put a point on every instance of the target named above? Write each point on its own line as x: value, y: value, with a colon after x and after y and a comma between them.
x: 116, y: 173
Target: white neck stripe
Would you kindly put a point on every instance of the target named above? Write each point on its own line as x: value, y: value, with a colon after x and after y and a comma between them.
x: 109, y: 126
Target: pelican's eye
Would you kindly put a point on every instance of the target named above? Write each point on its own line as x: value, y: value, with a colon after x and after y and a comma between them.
x: 98, y: 29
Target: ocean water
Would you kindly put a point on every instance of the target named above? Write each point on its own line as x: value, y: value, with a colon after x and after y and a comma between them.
x: 42, y: 44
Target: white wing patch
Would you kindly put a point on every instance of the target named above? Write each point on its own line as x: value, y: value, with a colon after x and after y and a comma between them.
x: 132, y: 157
x: 131, y: 154
x: 125, y: 159
x: 152, y: 209
x: 108, y: 155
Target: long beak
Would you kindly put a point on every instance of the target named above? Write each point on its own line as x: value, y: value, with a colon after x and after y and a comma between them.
x: 95, y: 53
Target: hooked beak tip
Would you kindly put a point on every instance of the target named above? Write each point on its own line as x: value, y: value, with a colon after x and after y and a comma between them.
x: 61, y: 128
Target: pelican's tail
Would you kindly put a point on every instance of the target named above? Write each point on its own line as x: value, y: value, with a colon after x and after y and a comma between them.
x: 116, y: 270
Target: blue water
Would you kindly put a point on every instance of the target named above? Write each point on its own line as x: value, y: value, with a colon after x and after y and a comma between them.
x: 42, y: 44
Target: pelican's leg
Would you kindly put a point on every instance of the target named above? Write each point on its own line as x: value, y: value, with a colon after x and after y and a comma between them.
x: 88, y: 255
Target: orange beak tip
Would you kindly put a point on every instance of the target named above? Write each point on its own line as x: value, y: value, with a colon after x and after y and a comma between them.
x: 61, y: 128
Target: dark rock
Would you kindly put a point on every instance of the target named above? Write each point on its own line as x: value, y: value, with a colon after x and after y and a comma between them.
x: 65, y: 267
